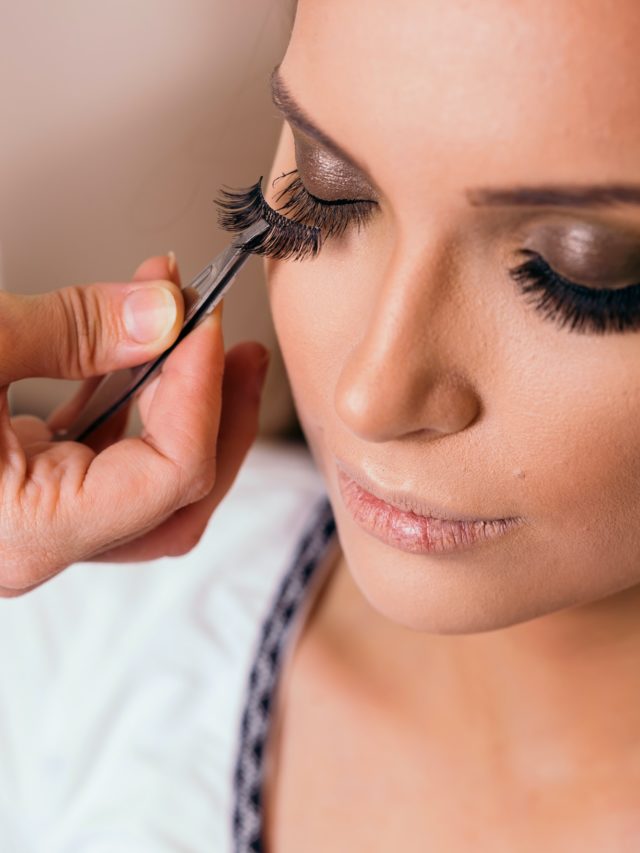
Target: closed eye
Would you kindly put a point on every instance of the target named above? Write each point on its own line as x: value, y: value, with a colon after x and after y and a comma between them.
x: 580, y: 308
x: 333, y: 218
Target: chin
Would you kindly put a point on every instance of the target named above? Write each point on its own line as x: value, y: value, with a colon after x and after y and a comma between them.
x: 465, y: 593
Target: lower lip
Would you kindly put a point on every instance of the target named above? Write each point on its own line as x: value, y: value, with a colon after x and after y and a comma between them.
x: 417, y: 534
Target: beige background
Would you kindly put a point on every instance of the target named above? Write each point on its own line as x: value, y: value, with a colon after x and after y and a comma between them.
x: 120, y: 121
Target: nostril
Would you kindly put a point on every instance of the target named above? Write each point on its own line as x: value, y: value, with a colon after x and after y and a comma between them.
x: 450, y: 407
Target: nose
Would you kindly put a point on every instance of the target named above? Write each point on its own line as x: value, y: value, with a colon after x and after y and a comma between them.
x: 403, y: 376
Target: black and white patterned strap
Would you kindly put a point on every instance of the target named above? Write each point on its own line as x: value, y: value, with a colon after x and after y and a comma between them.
x: 249, y: 769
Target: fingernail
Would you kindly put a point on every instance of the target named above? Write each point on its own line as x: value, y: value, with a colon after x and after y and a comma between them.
x: 261, y: 367
x: 171, y: 262
x: 149, y: 312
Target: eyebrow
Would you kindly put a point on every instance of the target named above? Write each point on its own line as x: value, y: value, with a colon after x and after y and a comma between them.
x: 551, y: 195
x: 557, y: 195
x: 295, y: 115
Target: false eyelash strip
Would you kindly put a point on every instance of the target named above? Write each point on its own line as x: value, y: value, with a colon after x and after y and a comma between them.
x: 285, y: 238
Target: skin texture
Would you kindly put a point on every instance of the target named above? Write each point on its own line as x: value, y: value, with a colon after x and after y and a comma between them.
x: 414, y: 358
x: 61, y: 502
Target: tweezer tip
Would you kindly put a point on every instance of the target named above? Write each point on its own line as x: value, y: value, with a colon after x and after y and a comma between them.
x: 254, y: 230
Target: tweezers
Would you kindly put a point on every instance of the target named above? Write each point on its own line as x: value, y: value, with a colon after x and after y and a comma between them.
x: 201, y: 296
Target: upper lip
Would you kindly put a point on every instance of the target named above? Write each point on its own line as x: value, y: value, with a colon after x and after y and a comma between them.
x: 405, y: 500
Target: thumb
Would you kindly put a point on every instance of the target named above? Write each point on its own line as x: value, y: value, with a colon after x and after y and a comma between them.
x: 87, y: 330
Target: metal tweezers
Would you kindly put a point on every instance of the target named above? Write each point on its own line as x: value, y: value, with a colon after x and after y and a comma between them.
x: 201, y: 297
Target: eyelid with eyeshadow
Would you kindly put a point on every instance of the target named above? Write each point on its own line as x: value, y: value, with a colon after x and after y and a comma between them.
x: 332, y: 216
x: 327, y: 176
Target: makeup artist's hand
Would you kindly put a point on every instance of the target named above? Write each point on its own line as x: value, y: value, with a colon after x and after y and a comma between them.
x: 118, y: 499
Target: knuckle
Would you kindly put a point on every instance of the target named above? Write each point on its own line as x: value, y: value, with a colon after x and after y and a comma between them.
x: 178, y: 482
x: 13, y: 331
x: 30, y: 552
x: 86, y: 323
x: 36, y: 543
x: 200, y: 481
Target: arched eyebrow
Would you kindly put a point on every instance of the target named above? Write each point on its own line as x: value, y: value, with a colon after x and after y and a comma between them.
x: 545, y: 195
x: 556, y: 195
x: 295, y: 115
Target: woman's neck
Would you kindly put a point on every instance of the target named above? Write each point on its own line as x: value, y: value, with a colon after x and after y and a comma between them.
x: 554, y: 695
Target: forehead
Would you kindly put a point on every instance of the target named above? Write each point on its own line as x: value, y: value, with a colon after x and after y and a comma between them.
x: 473, y: 90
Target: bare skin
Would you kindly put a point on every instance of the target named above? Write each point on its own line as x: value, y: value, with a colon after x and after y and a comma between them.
x: 367, y: 756
x: 488, y: 700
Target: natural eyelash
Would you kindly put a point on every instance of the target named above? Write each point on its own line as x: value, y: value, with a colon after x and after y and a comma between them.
x: 582, y: 309
x: 300, y: 233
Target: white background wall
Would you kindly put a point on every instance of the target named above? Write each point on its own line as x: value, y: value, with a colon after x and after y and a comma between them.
x: 120, y: 121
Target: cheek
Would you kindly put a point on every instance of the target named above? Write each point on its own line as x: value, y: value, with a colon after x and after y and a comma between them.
x: 579, y: 447
x: 321, y: 308
x: 562, y: 409
x: 312, y: 324
x: 559, y: 423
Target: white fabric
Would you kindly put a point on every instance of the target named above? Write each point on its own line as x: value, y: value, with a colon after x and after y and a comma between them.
x: 121, y: 685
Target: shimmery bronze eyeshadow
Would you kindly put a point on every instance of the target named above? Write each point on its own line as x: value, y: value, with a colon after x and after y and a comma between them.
x: 328, y: 176
x: 587, y: 253
x: 326, y: 169
x: 292, y: 111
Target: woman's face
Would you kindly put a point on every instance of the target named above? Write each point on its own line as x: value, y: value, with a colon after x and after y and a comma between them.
x: 478, y: 130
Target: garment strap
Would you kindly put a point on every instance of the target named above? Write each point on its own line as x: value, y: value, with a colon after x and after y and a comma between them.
x: 249, y: 768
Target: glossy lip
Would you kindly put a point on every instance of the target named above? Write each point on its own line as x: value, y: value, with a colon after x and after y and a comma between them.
x: 402, y: 521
